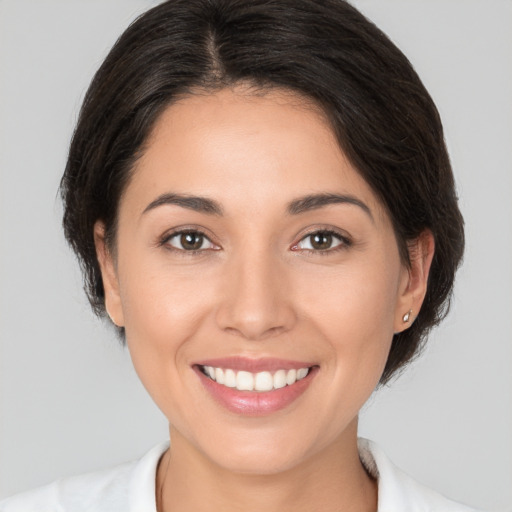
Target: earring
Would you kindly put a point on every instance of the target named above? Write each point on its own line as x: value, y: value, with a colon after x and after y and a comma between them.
x: 407, y: 316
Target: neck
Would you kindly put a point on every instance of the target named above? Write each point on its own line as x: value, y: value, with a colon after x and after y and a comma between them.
x: 331, y: 480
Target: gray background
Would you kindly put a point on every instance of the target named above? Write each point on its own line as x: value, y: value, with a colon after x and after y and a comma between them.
x: 69, y: 399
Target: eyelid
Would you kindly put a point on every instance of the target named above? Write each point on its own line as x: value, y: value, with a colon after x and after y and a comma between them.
x: 181, y: 230
x: 344, y: 238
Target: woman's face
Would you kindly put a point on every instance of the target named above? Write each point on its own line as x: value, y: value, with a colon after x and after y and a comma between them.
x: 249, y: 248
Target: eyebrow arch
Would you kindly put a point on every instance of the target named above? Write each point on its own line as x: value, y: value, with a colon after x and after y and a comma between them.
x: 196, y: 203
x: 315, y: 201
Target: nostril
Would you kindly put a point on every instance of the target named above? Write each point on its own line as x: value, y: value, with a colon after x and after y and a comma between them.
x: 254, y: 333
x: 253, y: 304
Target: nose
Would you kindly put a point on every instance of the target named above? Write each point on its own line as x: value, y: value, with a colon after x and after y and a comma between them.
x: 256, y: 302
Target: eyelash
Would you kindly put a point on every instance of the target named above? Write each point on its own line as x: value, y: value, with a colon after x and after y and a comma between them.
x: 183, y: 252
x: 345, y: 242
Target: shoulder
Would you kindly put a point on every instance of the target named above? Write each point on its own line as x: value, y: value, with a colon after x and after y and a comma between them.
x: 77, y: 493
x: 127, y: 487
x: 398, y: 492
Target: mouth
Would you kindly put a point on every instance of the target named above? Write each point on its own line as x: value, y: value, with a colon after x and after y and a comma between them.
x: 258, y: 382
x: 255, y: 387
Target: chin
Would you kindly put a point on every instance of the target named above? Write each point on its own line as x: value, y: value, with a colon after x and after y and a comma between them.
x: 258, y: 461
x: 259, y: 451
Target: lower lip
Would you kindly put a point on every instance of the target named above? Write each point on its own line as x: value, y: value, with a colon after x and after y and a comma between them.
x: 255, y: 403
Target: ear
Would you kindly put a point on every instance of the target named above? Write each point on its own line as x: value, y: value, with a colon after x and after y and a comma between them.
x: 414, y: 283
x: 109, y: 276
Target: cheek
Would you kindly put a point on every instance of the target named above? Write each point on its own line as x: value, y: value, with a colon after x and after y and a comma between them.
x: 352, y: 315
x: 162, y: 309
x: 353, y: 310
x: 359, y: 298
x: 161, y: 301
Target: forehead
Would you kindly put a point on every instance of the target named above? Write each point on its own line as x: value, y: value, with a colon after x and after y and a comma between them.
x: 264, y: 148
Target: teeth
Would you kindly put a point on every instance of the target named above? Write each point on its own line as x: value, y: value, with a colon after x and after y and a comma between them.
x: 261, y: 381
x: 244, y: 381
x: 280, y: 379
x: 230, y: 379
x: 219, y: 375
x: 291, y: 377
x: 302, y: 373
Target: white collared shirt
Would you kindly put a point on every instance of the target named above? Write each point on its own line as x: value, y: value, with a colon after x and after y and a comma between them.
x: 130, y: 487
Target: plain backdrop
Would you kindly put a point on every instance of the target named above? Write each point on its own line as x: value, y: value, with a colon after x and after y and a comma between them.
x: 69, y: 399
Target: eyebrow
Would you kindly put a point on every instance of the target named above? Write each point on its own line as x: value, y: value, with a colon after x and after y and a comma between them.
x: 315, y: 201
x: 196, y: 203
x: 297, y: 206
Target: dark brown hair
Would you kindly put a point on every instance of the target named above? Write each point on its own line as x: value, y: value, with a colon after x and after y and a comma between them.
x: 382, y: 115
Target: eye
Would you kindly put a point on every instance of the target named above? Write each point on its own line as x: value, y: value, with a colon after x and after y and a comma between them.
x: 322, y: 241
x: 191, y: 241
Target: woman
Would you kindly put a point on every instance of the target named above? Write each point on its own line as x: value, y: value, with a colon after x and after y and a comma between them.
x: 262, y: 202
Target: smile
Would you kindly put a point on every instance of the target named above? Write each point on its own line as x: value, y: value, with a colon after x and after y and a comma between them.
x: 255, y: 387
x: 259, y: 382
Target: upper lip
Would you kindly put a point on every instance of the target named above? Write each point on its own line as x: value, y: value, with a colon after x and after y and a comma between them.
x: 254, y: 365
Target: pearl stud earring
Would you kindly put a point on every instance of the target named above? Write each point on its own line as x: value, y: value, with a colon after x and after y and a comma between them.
x: 407, y: 316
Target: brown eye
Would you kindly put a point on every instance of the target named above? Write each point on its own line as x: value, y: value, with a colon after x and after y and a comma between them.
x: 322, y: 241
x: 189, y: 241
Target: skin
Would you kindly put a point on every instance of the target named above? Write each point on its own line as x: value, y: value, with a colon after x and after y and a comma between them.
x: 257, y: 288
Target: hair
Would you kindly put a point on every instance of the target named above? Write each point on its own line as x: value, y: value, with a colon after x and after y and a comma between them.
x: 384, y: 120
